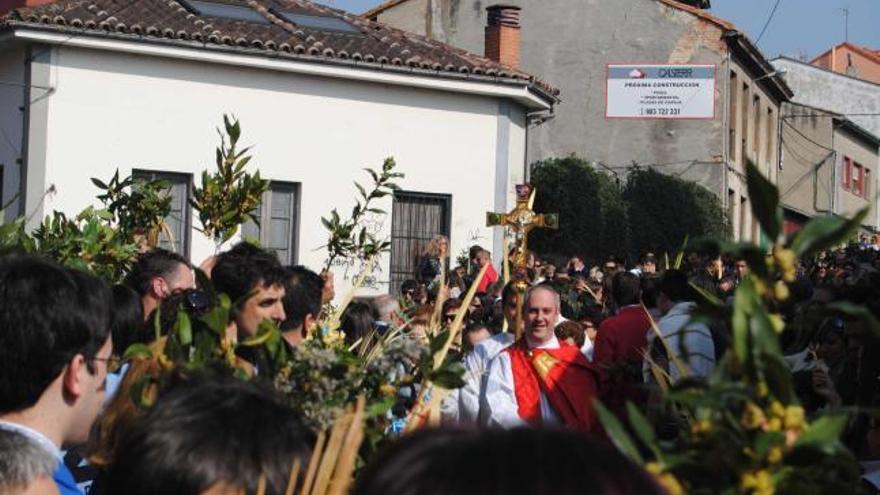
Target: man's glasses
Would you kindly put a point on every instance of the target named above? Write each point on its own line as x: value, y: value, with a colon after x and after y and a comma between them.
x: 449, y: 317
x: 197, y: 301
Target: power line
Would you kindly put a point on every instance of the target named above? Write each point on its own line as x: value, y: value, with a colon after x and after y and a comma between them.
x: 770, y: 18
x: 795, y: 129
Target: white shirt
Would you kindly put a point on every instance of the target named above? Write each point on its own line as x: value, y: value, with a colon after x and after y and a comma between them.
x: 476, y: 365
x: 33, y: 435
x: 500, y: 396
x: 691, y: 342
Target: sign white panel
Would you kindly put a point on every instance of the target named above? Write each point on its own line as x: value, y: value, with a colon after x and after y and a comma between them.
x: 660, y: 92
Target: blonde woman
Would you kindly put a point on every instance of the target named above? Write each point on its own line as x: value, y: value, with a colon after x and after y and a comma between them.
x: 430, y: 267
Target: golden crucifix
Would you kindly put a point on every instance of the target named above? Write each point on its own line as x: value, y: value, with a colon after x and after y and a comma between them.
x: 521, y: 220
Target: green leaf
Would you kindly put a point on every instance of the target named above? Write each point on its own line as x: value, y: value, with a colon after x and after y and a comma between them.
x: 361, y: 190
x: 680, y: 255
x: 138, y: 350
x: 823, y: 433
x: 643, y: 429
x: 826, y: 232
x: 767, y: 440
x: 448, y: 377
x: 765, y: 202
x: 778, y: 377
x: 742, y: 299
x: 764, y: 337
x: 438, y: 341
x: 184, y: 328
x: 99, y: 184
x: 617, y: 433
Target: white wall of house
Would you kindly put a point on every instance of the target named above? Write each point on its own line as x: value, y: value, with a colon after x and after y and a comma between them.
x: 112, y: 110
x: 12, y: 93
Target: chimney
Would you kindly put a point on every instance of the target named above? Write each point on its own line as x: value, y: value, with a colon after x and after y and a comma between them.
x: 7, y: 5
x: 502, y: 35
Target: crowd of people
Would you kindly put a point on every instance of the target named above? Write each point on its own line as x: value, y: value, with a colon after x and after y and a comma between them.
x: 524, y: 421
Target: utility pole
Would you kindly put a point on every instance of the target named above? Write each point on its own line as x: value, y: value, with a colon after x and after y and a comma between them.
x: 845, y: 24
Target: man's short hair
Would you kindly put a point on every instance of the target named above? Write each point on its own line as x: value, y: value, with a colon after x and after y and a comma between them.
x: 157, y: 262
x: 244, y: 268
x: 572, y: 329
x: 126, y: 318
x: 435, y: 461
x: 674, y: 285
x: 22, y: 461
x: 545, y: 288
x: 385, y: 306
x: 48, y: 315
x: 626, y: 289
x: 508, y: 294
x: 208, y: 431
x: 302, y: 296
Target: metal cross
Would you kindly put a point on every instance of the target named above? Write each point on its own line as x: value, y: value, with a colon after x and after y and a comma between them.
x: 521, y: 220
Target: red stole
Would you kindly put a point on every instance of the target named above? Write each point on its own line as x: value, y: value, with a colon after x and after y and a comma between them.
x: 564, y: 375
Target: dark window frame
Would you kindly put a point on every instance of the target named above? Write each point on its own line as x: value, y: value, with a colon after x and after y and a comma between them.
x: 295, y: 218
x: 149, y: 174
x: 446, y: 230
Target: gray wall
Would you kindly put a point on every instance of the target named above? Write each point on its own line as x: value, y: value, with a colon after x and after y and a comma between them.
x: 806, y: 180
x: 834, y: 92
x: 569, y: 43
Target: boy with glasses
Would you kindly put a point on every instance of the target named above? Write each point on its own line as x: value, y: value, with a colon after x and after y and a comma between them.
x: 55, y: 350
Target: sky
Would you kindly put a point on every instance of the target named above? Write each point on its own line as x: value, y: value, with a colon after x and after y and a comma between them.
x: 799, y: 28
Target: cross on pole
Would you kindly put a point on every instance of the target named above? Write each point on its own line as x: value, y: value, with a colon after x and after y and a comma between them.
x: 521, y: 220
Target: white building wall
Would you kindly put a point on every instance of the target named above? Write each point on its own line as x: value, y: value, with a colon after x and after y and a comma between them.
x: 12, y: 94
x: 112, y: 110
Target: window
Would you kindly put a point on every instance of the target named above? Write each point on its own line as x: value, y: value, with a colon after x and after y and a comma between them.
x: 732, y: 118
x: 229, y: 10
x: 279, y: 221
x: 771, y: 134
x: 866, y: 184
x: 179, y: 221
x: 743, y: 211
x: 415, y: 219
x: 756, y: 126
x: 847, y: 172
x: 744, y: 132
x: 319, y: 22
x: 731, y: 209
x: 858, y: 179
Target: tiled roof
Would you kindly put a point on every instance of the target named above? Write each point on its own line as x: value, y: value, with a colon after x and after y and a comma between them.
x: 374, y: 45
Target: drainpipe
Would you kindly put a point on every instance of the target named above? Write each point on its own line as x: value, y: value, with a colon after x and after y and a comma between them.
x: 725, y: 129
x: 533, y: 119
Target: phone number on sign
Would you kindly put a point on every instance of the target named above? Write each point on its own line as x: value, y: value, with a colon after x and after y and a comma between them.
x: 661, y: 111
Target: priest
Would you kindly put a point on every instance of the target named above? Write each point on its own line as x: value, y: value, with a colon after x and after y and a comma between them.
x: 538, y: 380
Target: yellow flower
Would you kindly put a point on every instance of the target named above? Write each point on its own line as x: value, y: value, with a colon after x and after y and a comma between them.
x: 793, y: 418
x: 774, y: 455
x: 701, y: 426
x: 667, y: 480
x: 774, y: 424
x: 757, y: 483
x: 780, y: 291
x: 786, y: 260
x: 387, y: 390
x: 762, y: 390
x: 753, y: 416
x: 671, y: 484
x: 777, y: 409
x: 777, y: 322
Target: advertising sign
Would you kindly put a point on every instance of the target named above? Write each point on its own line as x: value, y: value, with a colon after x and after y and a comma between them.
x: 660, y: 92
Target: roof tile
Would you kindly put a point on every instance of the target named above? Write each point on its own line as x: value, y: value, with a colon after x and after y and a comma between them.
x: 375, y: 44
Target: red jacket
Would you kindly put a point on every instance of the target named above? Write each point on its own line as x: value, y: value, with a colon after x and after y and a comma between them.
x: 620, y: 342
x: 489, y: 278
